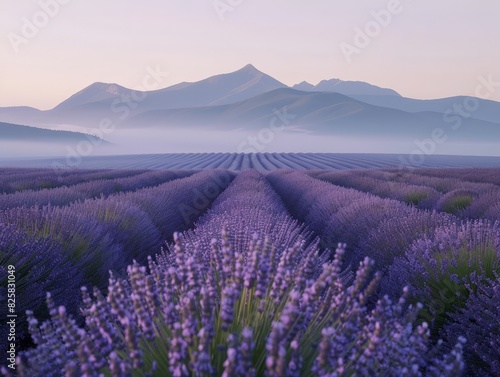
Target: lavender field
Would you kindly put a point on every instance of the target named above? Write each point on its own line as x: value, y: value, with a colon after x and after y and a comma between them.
x: 285, y: 265
x: 262, y: 162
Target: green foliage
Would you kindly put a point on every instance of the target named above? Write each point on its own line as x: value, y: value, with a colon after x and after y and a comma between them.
x: 448, y: 277
x: 46, y: 185
x: 456, y: 204
x: 415, y: 197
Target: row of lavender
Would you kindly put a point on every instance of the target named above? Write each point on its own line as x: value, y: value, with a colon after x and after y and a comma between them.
x: 13, y: 180
x: 61, y: 248
x: 94, y: 188
x: 468, y: 196
x: 450, y: 264
x: 240, y: 306
x: 484, y: 175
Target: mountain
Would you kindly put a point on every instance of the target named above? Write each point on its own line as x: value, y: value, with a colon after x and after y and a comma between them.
x: 305, y: 87
x: 249, y: 98
x: 314, y: 112
x: 98, y: 92
x: 488, y: 111
x: 222, y: 89
x: 106, y: 100
x: 348, y: 88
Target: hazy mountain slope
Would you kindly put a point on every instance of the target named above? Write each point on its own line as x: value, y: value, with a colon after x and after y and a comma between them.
x: 485, y: 110
x: 316, y: 112
x: 25, y: 141
x: 217, y: 90
x: 20, y: 114
x: 97, y: 92
x: 26, y: 133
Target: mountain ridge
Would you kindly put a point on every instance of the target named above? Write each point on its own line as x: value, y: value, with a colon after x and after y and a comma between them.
x: 246, y: 86
x: 348, y: 88
x: 319, y: 112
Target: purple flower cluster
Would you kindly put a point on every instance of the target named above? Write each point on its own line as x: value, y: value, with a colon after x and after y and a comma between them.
x: 479, y: 320
x: 393, y: 235
x: 472, y: 247
x: 319, y: 325
x: 454, y: 270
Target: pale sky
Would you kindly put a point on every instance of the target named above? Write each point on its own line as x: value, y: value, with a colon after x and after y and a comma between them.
x: 428, y: 49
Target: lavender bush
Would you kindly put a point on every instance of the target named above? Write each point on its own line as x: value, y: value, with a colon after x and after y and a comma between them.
x: 485, y: 206
x: 359, y: 217
x: 441, y: 266
x: 479, y: 320
x: 380, y: 184
x: 392, y: 236
x: 493, y: 212
x: 456, y: 201
x: 244, y: 316
x: 312, y: 201
x: 97, y: 235
x: 40, y: 266
x: 176, y: 205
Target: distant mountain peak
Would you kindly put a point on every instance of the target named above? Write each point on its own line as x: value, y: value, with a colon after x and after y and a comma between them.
x: 304, y: 86
x: 111, y: 88
x: 249, y: 68
x: 94, y: 92
x: 100, y: 85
